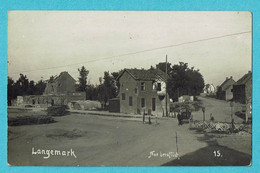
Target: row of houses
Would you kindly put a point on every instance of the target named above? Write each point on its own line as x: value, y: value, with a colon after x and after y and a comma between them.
x: 240, y: 91
x: 141, y: 91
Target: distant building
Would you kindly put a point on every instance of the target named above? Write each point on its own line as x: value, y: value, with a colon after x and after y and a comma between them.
x: 225, y: 89
x: 143, y: 91
x: 60, y: 90
x: 242, y: 89
x: 185, y: 98
x: 209, y: 89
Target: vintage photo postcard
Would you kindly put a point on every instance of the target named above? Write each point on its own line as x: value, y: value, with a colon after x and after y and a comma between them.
x: 129, y: 88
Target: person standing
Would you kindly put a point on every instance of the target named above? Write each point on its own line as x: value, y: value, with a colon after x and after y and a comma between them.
x: 179, y: 118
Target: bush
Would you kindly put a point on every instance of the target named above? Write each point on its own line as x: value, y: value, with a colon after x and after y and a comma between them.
x: 57, y: 110
x: 185, y: 106
x: 197, y: 105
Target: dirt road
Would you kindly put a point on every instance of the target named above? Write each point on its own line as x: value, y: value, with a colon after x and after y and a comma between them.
x: 111, y: 141
x: 220, y: 110
x: 99, y: 141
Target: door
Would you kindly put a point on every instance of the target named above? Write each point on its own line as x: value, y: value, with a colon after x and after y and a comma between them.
x: 153, y: 104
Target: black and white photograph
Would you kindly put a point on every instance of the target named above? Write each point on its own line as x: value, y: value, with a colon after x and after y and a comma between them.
x: 129, y: 88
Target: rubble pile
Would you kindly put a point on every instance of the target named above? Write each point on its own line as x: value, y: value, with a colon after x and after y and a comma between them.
x: 221, y: 127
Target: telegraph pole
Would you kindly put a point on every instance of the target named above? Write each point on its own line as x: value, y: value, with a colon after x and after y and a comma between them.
x: 166, y: 109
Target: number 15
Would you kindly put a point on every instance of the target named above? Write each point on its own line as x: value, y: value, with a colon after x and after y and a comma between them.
x: 217, y: 153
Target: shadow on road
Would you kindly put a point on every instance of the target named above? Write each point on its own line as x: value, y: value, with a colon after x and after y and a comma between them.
x: 212, y: 155
x: 206, y: 157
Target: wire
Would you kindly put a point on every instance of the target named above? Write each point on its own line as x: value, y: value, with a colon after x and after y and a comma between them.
x: 132, y: 53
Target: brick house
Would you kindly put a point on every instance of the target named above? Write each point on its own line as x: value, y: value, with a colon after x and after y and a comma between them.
x: 142, y: 91
x: 242, y: 89
x: 62, y: 89
x: 64, y: 83
x: 224, y: 91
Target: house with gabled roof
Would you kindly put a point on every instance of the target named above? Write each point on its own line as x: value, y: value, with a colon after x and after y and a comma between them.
x: 61, y: 84
x: 225, y: 89
x: 60, y: 90
x: 209, y: 89
x: 242, y: 89
x: 143, y: 91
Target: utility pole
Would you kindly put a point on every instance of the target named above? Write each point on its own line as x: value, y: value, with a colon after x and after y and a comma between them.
x: 178, y: 95
x: 166, y: 109
x: 203, y: 110
x: 177, y: 150
x: 232, y: 119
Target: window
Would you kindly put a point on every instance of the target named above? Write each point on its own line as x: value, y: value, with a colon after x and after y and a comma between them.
x: 130, y: 101
x: 123, y: 96
x: 159, y: 87
x: 154, y: 86
x: 142, y: 102
x: 135, y: 90
x: 142, y: 86
x: 153, y: 103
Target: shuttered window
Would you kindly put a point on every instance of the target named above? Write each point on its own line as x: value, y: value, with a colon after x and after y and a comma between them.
x: 130, y: 101
x: 123, y: 96
x: 142, y: 102
x: 153, y: 104
x: 142, y: 86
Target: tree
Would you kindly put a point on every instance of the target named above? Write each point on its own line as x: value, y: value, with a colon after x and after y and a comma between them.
x: 101, y: 94
x: 83, y: 74
x: 184, y: 81
x: 31, y: 88
x: 92, y: 92
x: 40, y: 87
x: 11, y: 90
x: 115, y: 81
x: 22, y: 85
x: 107, y: 89
x: 109, y: 86
x: 162, y: 66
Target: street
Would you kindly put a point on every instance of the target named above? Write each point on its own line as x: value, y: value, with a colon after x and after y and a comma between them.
x: 220, y: 110
x: 114, y: 141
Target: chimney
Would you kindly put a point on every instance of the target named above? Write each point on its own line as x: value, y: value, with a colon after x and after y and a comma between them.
x: 249, y: 72
x: 226, y: 78
x: 231, y: 77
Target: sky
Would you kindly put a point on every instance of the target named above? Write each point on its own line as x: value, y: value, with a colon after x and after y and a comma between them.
x: 45, y: 43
